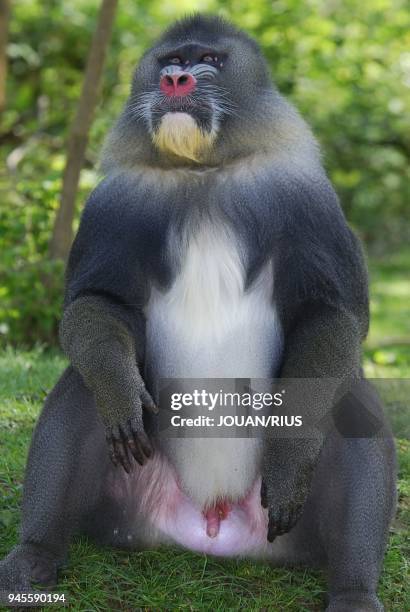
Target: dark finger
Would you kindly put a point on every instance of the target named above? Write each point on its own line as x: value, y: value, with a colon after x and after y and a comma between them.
x: 122, y: 455
x: 144, y: 443
x: 148, y: 403
x: 272, y: 526
x: 140, y: 438
x: 264, y: 495
x: 271, y: 531
x: 111, y: 452
x: 136, y: 451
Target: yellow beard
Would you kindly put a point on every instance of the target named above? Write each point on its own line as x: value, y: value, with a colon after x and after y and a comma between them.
x: 179, y: 134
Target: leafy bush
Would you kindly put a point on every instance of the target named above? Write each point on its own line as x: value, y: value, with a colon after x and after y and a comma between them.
x: 31, y: 286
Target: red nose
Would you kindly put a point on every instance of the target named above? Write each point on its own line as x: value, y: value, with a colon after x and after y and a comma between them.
x: 179, y: 84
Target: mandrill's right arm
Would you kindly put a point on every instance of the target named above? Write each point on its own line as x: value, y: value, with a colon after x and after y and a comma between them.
x: 102, y: 329
x: 101, y: 348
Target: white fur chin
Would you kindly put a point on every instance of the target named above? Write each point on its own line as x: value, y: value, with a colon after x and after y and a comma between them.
x: 179, y: 134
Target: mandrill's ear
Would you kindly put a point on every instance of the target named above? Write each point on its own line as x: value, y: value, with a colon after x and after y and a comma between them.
x: 179, y: 134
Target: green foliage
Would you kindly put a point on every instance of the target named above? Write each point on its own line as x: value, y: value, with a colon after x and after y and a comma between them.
x: 31, y: 286
x: 387, y: 350
x: 345, y: 64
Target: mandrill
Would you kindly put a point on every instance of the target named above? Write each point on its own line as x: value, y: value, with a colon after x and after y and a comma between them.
x: 214, y: 247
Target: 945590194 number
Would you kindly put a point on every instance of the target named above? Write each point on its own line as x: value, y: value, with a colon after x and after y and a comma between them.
x: 17, y: 599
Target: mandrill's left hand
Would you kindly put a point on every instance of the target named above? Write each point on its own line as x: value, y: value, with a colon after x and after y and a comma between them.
x: 284, y: 490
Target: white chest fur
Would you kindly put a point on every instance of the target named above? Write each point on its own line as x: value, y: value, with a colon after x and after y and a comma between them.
x: 208, y: 326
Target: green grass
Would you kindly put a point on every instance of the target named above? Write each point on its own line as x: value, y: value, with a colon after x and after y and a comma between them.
x: 387, y: 350
x: 113, y: 580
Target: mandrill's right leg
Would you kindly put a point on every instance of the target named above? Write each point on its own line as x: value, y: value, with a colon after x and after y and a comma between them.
x: 65, y: 472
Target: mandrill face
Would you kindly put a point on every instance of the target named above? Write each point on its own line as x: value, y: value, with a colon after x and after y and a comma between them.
x: 185, y: 114
x: 194, y: 84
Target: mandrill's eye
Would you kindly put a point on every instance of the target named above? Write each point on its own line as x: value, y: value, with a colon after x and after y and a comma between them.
x: 209, y: 59
x: 175, y: 60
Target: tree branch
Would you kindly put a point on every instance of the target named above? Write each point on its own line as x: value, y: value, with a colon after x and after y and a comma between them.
x: 77, y: 142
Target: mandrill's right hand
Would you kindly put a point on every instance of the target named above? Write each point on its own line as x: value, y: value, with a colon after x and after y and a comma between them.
x: 101, y: 347
x: 122, y: 417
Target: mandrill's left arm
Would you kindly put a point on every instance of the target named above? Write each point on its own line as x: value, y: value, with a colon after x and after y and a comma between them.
x: 321, y: 282
x: 325, y: 345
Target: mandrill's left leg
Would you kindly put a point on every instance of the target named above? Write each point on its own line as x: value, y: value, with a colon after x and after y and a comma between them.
x: 354, y: 499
